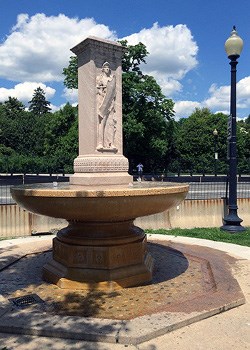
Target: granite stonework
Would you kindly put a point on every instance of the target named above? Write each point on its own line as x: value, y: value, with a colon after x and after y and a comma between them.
x: 100, y: 160
x: 101, y: 248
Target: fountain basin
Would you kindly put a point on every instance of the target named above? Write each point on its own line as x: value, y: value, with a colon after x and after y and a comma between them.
x: 115, y: 203
x: 100, y: 248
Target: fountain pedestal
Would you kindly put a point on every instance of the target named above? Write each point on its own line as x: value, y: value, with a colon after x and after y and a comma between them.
x: 103, y: 256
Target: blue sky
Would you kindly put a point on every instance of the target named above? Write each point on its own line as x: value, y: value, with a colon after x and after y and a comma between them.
x: 185, y: 39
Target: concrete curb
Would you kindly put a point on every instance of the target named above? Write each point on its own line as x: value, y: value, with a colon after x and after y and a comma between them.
x: 238, y: 251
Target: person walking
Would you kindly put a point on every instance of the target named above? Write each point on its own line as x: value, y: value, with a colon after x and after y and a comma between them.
x: 140, y: 171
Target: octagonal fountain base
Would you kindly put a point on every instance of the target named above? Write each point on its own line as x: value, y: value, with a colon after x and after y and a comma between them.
x: 100, y: 248
x: 103, y: 256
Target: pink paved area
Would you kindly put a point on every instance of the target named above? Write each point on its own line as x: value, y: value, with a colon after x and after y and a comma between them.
x: 191, y: 282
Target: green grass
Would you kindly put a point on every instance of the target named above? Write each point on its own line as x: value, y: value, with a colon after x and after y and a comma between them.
x: 213, y: 234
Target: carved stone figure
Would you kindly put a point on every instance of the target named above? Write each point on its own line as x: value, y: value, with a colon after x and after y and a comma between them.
x: 106, y: 94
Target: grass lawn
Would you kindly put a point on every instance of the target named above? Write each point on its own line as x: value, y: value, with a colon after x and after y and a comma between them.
x: 214, y: 234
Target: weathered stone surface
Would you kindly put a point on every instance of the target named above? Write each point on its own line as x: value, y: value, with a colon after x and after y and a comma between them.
x: 100, y: 160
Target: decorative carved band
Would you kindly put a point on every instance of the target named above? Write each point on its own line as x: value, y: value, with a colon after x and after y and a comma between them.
x: 100, y: 165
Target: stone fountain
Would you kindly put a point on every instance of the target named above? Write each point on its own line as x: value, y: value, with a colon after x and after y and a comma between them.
x: 100, y: 248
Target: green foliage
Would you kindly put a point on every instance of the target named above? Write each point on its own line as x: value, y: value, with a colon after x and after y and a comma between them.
x: 61, y: 139
x: 243, y: 145
x: 147, y: 114
x: 11, y: 111
x: 30, y: 143
x: 71, y: 74
x: 213, y: 234
x: 133, y: 56
x: 33, y: 144
x: 196, y: 143
x: 12, y: 107
x: 38, y: 104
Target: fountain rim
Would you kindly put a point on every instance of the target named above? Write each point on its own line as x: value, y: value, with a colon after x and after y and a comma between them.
x: 74, y: 191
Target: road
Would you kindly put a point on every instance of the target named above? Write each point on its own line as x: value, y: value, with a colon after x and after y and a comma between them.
x: 211, y: 190
x: 198, y: 190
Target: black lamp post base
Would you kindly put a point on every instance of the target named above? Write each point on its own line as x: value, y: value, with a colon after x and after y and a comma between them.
x: 233, y: 228
x: 232, y: 224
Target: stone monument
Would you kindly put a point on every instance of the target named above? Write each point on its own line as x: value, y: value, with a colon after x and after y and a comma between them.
x: 100, y: 160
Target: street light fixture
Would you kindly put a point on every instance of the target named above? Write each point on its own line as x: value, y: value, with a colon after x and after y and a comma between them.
x: 215, y: 133
x: 231, y: 221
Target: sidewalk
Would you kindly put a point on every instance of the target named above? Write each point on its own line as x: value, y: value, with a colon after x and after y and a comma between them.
x: 227, y: 330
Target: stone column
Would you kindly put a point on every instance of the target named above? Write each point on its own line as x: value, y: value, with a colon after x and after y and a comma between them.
x: 100, y: 160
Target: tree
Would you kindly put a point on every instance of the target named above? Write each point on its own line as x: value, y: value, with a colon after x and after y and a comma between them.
x: 5, y: 154
x: 21, y: 137
x: 38, y: 104
x: 12, y: 108
x: 11, y: 111
x: 61, y: 139
x: 71, y: 74
x: 243, y: 145
x: 195, y: 142
x: 147, y: 113
x: 247, y: 121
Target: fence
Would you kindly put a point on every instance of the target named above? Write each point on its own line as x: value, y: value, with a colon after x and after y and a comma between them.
x: 203, y: 207
x: 213, y: 187
x: 206, y: 187
x: 201, y: 187
x: 8, y: 181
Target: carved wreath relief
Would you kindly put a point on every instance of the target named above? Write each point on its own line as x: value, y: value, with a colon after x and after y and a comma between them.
x: 106, y: 96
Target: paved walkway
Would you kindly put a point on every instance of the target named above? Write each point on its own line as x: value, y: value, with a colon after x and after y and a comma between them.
x: 227, y: 330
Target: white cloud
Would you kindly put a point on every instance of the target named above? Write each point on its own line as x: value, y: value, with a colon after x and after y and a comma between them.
x: 38, y: 47
x: 243, y: 88
x: 24, y: 91
x: 172, y: 53
x: 169, y: 86
x: 220, y: 96
x: 54, y: 108
x: 71, y: 95
x: 219, y: 100
x: 57, y: 108
x: 243, y: 93
x: 185, y: 108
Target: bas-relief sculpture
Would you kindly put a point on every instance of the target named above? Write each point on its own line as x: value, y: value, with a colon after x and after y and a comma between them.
x: 106, y: 96
x: 100, y: 248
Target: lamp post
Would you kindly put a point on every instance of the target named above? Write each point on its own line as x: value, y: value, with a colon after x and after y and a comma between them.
x: 231, y: 221
x: 215, y: 133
